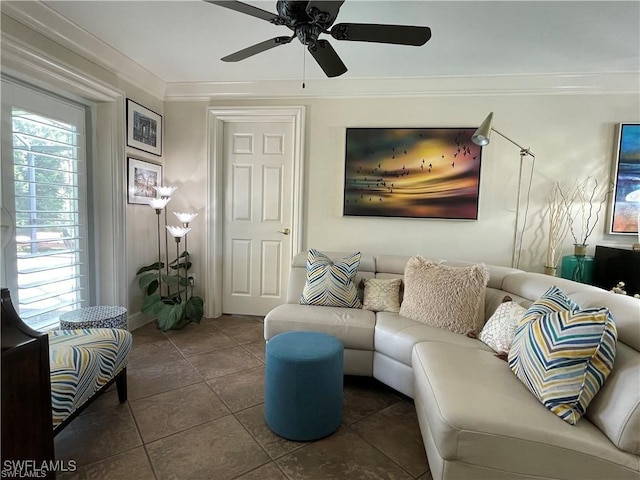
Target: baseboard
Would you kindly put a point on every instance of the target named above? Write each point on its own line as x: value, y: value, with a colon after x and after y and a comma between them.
x: 138, y: 320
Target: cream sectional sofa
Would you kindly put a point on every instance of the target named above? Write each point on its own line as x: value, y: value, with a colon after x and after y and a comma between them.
x: 477, y: 419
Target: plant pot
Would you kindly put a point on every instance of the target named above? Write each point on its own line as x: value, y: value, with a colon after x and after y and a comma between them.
x: 550, y: 271
x: 579, y: 249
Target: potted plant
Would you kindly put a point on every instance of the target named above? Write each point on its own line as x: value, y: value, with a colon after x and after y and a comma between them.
x: 178, y: 305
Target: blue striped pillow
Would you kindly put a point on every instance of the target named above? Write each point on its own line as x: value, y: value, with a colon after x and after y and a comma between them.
x: 331, y: 284
x: 564, y: 356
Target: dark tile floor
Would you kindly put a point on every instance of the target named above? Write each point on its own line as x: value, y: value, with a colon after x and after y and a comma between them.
x: 196, y: 411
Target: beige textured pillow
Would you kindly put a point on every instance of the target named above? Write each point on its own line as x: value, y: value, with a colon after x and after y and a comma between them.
x: 382, y: 294
x: 500, y: 329
x: 443, y: 296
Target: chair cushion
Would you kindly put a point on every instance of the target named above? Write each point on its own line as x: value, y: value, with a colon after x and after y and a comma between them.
x: 83, y: 361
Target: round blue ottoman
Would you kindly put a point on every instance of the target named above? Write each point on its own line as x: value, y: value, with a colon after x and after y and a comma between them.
x: 303, y: 385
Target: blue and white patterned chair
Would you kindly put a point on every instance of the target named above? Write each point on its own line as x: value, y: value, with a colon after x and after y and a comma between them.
x: 82, y: 364
x: 49, y: 378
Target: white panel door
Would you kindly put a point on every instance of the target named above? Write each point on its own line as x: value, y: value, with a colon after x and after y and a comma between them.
x: 258, y: 178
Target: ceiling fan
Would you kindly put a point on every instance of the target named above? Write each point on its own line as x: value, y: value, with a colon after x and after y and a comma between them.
x: 309, y: 19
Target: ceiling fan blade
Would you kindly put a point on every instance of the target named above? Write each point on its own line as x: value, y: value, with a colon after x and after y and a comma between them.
x: 371, y: 32
x: 326, y: 11
x: 257, y: 48
x: 327, y: 58
x: 246, y: 9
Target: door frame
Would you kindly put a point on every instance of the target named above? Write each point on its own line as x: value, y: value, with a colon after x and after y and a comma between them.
x: 216, y: 119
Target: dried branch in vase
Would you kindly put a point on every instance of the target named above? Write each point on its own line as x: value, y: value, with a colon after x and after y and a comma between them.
x: 558, y: 226
x: 583, y: 202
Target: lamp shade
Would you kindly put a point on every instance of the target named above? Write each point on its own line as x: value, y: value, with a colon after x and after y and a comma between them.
x: 482, y: 135
x: 185, y: 217
x: 158, y: 203
x: 177, y: 232
x: 165, y: 191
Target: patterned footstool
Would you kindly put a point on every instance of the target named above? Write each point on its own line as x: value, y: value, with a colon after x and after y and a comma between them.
x: 99, y: 316
x: 303, y: 385
x: 82, y: 362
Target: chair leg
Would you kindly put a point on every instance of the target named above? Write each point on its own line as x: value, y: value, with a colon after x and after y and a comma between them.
x: 121, y: 385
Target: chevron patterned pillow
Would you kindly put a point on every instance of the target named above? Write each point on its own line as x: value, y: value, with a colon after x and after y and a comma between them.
x: 331, y: 284
x: 564, y: 356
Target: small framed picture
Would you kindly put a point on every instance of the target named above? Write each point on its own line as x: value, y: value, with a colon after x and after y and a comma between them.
x: 144, y: 128
x: 142, y: 177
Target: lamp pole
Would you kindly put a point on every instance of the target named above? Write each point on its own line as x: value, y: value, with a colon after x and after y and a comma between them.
x: 482, y: 137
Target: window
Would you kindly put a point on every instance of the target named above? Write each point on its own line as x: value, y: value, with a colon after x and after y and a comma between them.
x: 44, y: 192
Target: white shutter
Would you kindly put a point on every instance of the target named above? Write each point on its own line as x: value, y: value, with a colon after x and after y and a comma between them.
x: 48, y: 186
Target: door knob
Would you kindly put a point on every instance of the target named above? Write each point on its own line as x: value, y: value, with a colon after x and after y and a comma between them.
x: 285, y: 231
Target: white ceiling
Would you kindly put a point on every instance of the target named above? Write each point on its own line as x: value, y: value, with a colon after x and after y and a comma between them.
x: 183, y: 41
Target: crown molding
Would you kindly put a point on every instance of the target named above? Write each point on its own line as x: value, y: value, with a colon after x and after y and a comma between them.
x: 47, y: 22
x: 541, y: 84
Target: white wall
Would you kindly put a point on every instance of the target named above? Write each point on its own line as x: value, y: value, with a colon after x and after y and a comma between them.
x: 572, y: 137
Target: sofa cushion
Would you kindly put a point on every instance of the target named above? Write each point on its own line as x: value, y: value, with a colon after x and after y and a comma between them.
x: 82, y: 362
x: 396, y: 336
x: 616, y: 408
x: 330, y: 284
x: 500, y: 329
x: 479, y: 413
x: 353, y: 326
x: 564, y: 356
x: 382, y: 295
x: 443, y: 296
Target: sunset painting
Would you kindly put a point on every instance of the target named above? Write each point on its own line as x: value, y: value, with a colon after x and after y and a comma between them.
x: 626, y: 207
x: 412, y: 172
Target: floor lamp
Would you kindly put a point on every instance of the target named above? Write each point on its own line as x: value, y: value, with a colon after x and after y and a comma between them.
x: 482, y: 137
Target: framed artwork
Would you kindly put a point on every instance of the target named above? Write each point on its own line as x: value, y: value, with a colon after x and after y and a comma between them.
x: 142, y: 177
x: 412, y: 172
x: 625, y: 211
x: 144, y: 128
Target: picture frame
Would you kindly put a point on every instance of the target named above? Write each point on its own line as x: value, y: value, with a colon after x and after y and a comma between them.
x: 625, y: 203
x: 142, y: 176
x: 144, y: 128
x: 412, y: 172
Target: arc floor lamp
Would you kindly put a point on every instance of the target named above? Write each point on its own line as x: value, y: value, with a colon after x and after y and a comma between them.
x: 482, y: 137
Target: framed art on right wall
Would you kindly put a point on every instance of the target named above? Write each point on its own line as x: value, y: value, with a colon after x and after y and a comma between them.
x: 625, y: 210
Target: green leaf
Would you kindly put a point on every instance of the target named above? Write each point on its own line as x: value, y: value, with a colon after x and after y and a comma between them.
x: 194, y: 309
x: 153, y: 286
x: 152, y: 304
x: 169, y: 316
x: 182, y: 255
x: 149, y: 268
x: 145, y: 280
x: 182, y: 266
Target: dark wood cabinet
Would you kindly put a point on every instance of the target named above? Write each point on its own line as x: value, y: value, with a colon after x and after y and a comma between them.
x: 613, y: 265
